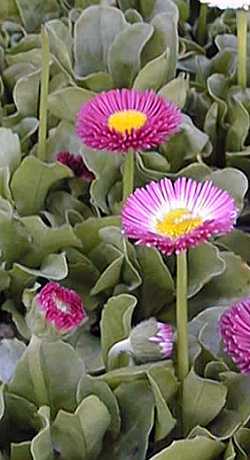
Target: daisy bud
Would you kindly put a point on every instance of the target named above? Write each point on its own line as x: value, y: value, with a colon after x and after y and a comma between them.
x: 76, y: 164
x: 56, y: 311
x: 151, y: 340
x: 148, y: 341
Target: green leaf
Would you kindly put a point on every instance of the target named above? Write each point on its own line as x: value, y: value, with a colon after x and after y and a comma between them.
x: 83, y: 275
x: 10, y: 151
x: 9, y: 10
x: 109, y: 278
x: 204, y: 263
x: 88, y: 231
x: 80, y: 435
x: 165, y: 36
x: 136, y: 404
x: 47, y: 240
x: 16, y: 316
x: 238, y: 399
x: 65, y: 103
x: 242, y: 441
x: 205, y: 327
x: 124, y: 64
x: 30, y: 190
x: 223, y: 289
x: 61, y: 43
x: 130, y: 374
x: 92, y: 386
x: 157, y: 287
x: 53, y: 267
x: 19, y: 421
x: 4, y: 280
x: 233, y: 181
x: 39, y: 378
x: 26, y: 94
x: 41, y: 445
x: 154, y: 74
x: 95, y: 30
x: 176, y: 90
x: 208, y: 398
x: 11, y: 351
x: 116, y: 321
x: 239, y: 122
x: 21, y: 451
x: 238, y: 242
x: 35, y: 14
x: 164, y: 386
x: 185, y: 145
x: 14, y: 239
x: 106, y: 168
x: 62, y: 138
x: 200, y: 448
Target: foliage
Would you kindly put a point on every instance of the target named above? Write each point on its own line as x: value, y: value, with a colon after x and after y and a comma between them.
x: 60, y: 399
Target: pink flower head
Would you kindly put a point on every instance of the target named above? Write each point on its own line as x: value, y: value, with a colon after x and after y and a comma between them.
x: 235, y: 332
x: 176, y: 216
x: 164, y: 338
x: 62, y: 307
x: 124, y: 119
x: 76, y: 164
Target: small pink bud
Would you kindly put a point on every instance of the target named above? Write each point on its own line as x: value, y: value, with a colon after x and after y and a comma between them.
x: 62, y: 307
x: 76, y: 164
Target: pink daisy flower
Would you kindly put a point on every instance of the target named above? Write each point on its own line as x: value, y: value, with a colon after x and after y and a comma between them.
x: 124, y: 119
x: 235, y: 332
x: 62, y: 307
x: 176, y: 216
x: 76, y: 164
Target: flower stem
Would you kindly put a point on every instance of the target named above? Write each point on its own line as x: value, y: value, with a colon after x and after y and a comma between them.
x: 128, y: 175
x: 35, y: 368
x: 182, y: 316
x: 202, y: 24
x: 242, y: 47
x: 41, y: 150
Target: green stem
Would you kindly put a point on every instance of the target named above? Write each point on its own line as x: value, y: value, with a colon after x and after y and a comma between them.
x: 202, y: 24
x: 128, y: 175
x: 182, y: 316
x: 41, y: 150
x: 36, y: 373
x: 242, y: 47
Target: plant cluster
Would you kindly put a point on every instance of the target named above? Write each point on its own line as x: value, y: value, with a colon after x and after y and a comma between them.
x: 124, y: 230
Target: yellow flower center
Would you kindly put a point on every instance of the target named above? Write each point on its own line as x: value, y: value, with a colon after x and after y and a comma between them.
x: 178, y: 222
x: 126, y: 120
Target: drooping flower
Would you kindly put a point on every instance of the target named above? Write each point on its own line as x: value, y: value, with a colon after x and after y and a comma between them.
x: 61, y: 307
x: 76, y: 164
x: 235, y: 332
x: 148, y: 341
x: 175, y: 216
x: 151, y: 340
x: 228, y: 4
x: 124, y: 119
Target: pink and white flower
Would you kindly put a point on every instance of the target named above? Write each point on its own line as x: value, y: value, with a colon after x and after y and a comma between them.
x: 176, y: 216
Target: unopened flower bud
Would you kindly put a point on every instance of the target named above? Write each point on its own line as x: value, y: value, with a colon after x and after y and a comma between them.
x: 151, y: 340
